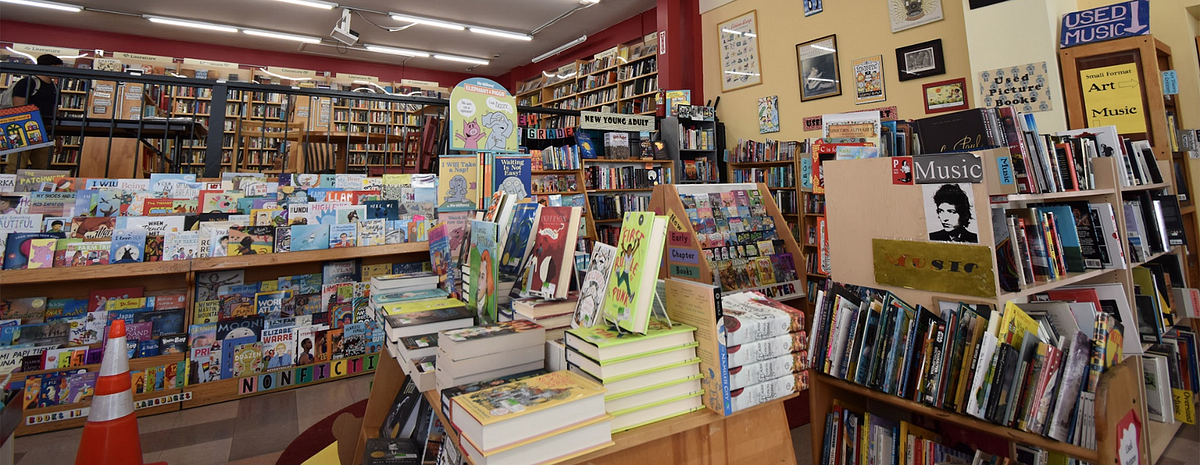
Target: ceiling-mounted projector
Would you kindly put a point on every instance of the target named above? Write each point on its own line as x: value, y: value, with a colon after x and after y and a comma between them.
x: 342, y: 32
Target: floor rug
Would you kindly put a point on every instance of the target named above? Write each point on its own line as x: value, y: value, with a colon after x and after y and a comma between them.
x: 318, y: 436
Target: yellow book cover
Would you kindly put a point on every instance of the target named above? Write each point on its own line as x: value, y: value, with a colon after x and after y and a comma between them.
x: 1014, y: 325
x: 411, y: 306
x: 526, y: 396
x: 131, y: 303
x: 908, y: 429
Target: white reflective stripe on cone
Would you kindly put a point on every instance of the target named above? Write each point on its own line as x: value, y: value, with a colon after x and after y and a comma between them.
x: 111, y: 406
x: 116, y: 357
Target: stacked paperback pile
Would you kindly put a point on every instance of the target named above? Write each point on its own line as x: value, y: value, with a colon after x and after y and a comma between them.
x: 546, y: 418
x: 1035, y: 371
x: 554, y: 315
x: 648, y: 377
x: 765, y: 347
x: 412, y: 310
x: 481, y: 353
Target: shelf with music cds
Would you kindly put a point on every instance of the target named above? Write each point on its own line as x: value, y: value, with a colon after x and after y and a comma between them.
x: 729, y: 235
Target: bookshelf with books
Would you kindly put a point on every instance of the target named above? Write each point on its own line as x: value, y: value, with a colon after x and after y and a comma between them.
x: 777, y: 163
x: 695, y: 146
x: 615, y: 186
x: 883, y: 248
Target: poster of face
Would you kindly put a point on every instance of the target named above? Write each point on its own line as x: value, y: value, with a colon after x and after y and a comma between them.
x: 949, y: 213
x: 868, y: 80
x: 907, y: 14
x: 768, y: 114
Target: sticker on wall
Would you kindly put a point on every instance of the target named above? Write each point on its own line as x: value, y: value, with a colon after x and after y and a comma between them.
x: 483, y: 116
x: 1025, y: 87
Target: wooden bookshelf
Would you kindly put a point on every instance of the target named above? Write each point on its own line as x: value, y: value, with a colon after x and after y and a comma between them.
x: 668, y: 176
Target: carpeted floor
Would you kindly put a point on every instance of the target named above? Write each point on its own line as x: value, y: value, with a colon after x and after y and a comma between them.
x: 318, y: 436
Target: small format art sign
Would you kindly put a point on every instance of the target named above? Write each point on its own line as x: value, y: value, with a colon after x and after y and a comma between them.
x: 937, y: 267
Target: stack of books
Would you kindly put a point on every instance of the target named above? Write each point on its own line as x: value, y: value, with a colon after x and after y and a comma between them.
x: 554, y: 315
x: 547, y: 418
x: 764, y: 341
x: 480, y: 353
x: 649, y: 377
x: 412, y: 310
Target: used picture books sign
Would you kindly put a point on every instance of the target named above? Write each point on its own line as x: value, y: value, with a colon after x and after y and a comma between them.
x: 954, y: 268
x: 483, y: 116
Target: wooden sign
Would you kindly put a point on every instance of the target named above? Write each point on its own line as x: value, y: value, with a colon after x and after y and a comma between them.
x: 615, y: 122
x: 934, y: 266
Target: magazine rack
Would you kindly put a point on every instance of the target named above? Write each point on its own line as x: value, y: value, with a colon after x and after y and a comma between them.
x: 683, y: 255
x: 864, y: 204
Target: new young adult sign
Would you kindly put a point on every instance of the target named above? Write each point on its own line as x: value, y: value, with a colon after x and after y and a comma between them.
x: 1116, y: 21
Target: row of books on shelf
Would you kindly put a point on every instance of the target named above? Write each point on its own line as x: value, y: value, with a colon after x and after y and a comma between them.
x: 547, y: 183
x: 776, y: 176
x: 748, y: 151
x: 66, y: 330
x: 639, y: 105
x: 625, y: 177
x: 739, y: 239
x: 564, y: 158
x: 814, y: 203
x: 785, y: 199
x: 701, y: 169
x: 613, y: 207
x: 640, y: 87
x: 76, y: 386
x: 697, y: 139
x: 635, y: 70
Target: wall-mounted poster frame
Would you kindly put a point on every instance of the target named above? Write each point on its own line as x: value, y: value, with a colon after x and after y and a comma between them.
x: 740, y: 65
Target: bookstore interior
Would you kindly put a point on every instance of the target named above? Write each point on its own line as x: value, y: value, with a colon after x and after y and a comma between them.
x: 551, y: 231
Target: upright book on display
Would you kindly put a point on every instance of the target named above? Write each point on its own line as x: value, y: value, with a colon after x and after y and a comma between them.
x: 547, y: 271
x: 482, y: 294
x: 632, y: 282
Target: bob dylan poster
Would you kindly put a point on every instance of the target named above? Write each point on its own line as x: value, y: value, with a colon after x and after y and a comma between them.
x: 950, y: 213
x: 868, y: 80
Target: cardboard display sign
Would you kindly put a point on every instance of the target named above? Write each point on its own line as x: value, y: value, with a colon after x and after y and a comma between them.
x: 483, y: 117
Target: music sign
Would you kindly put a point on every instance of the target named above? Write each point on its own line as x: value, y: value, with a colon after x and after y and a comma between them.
x: 1116, y: 21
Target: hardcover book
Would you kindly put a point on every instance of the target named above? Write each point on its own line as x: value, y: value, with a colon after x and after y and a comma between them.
x: 18, y: 249
x: 517, y: 245
x: 88, y: 253
x: 283, y: 239
x: 310, y: 237
x: 128, y: 246
x: 250, y: 240
x: 513, y: 175
x: 93, y: 228
x: 481, y: 297
x: 497, y: 404
x: 631, y: 285
x: 547, y: 270
x: 371, y: 232
x: 343, y: 235
x: 458, y: 183
x: 440, y: 258
x: 593, y: 286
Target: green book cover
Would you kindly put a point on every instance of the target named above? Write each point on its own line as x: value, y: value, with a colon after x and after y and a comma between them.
x: 631, y: 263
x: 481, y: 297
x: 603, y: 336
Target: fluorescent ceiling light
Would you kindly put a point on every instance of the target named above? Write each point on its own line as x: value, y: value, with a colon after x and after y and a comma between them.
x: 560, y: 49
x: 475, y: 61
x: 818, y: 47
x: 396, y: 51
x: 312, y: 3
x: 188, y: 23
x: 280, y: 76
x: 280, y: 35
x: 499, y: 33
x: 18, y: 52
x: 427, y: 21
x: 50, y: 5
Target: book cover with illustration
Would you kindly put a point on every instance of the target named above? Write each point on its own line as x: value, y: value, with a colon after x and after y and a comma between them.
x: 527, y: 396
x: 547, y: 271
x: 268, y: 217
x: 278, y: 347
x: 516, y: 247
x: 310, y: 237
x: 283, y: 239
x: 371, y: 232
x: 237, y: 300
x: 93, y: 228
x: 250, y: 240
x: 631, y: 284
x: 324, y: 212
x: 594, y: 286
x: 348, y: 214
x: 17, y: 249
x: 247, y: 359
x: 458, y: 183
x: 41, y: 253
x: 88, y: 253
x: 383, y: 209
x: 481, y: 297
x: 128, y: 246
x: 271, y: 304
x: 513, y: 175
x: 439, y: 256
x: 343, y: 235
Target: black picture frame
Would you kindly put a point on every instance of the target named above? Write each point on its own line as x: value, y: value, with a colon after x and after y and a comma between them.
x: 920, y: 60
x: 822, y: 67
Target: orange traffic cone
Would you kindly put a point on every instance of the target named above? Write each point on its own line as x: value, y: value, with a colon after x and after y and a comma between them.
x: 110, y: 436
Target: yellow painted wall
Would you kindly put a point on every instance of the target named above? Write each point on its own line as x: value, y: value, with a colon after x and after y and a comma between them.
x: 862, y: 29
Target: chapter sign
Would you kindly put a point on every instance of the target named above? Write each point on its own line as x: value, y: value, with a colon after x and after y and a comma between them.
x: 1119, y: 20
x: 934, y: 266
x: 1112, y: 96
x: 483, y: 117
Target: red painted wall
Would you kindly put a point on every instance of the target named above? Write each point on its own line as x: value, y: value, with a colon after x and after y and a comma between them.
x: 625, y: 31
x: 39, y: 34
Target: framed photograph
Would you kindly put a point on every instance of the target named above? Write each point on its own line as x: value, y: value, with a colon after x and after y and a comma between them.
x: 739, y: 52
x: 945, y: 95
x: 920, y: 60
x: 817, y: 61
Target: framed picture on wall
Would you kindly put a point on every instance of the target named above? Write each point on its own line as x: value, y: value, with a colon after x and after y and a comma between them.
x: 920, y: 60
x: 739, y: 52
x: 945, y: 95
x: 817, y: 62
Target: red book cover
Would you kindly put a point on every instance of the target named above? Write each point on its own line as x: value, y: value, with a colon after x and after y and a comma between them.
x: 548, y: 269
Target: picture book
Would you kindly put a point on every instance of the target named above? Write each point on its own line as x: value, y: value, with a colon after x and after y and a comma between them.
x: 271, y: 304
x: 481, y: 296
x: 93, y: 228
x: 527, y: 396
x: 371, y: 232
x: 208, y: 284
x: 324, y: 212
x: 57, y: 224
x: 85, y: 202
x: 310, y: 237
x: 51, y: 203
x: 268, y: 217
x: 12, y: 222
x: 593, y: 286
x: 154, y: 249
x: 516, y: 247
x: 305, y: 345
x: 348, y: 214
x: 128, y: 246
x: 298, y: 214
x: 247, y: 359
x: 204, y: 365
x: 439, y: 256
x: 18, y: 248
x: 237, y: 300
x: 343, y: 235
x: 60, y: 251
x: 88, y: 253
x: 279, y: 347
x: 383, y: 209
x: 154, y: 226
x: 354, y: 339
x: 512, y: 175
x: 458, y: 183
x: 547, y: 272
x: 250, y: 240
x: 632, y: 282
x: 283, y: 239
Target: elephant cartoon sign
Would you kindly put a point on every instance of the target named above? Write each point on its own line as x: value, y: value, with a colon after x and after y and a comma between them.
x: 483, y: 117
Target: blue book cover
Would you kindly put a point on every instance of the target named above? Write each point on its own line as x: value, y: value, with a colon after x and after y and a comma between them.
x: 329, y: 181
x: 524, y: 218
x: 148, y: 348
x: 1064, y: 220
x: 318, y: 194
x: 109, y: 202
x: 165, y: 322
x: 128, y: 246
x: 228, y: 347
x: 512, y: 175
x: 310, y: 237
x: 343, y: 235
x: 16, y: 248
x: 158, y: 180
x: 587, y: 149
x: 383, y: 209
x: 85, y: 202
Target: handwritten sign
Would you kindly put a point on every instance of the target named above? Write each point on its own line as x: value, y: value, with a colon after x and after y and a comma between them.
x: 938, y: 267
x: 1112, y: 96
x: 1125, y: 19
x: 615, y: 122
x: 1025, y: 87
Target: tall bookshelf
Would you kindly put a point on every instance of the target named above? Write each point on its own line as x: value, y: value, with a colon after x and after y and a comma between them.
x: 858, y: 214
x: 632, y: 198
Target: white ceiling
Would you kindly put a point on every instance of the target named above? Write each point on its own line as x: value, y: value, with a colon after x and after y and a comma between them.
x: 505, y: 54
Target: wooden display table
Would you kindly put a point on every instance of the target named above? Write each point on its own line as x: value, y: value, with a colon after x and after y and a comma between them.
x: 756, y: 435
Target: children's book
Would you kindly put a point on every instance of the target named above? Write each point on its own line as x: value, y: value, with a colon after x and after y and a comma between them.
x: 57, y: 224
x: 310, y: 237
x: 278, y: 347
x: 481, y: 297
x: 128, y: 246
x: 349, y: 214
x: 250, y: 240
x: 631, y: 284
x: 343, y: 235
x: 87, y: 253
x: 271, y: 304
x: 283, y: 239
x: 371, y: 232
x: 298, y: 214
x: 383, y: 209
x: 324, y: 212
x: 547, y: 270
x: 247, y: 359
x: 516, y: 247
x: 458, y: 183
x: 593, y: 286
x: 439, y: 256
x: 154, y: 226
x: 93, y: 228
x: 513, y: 175
x: 18, y: 249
